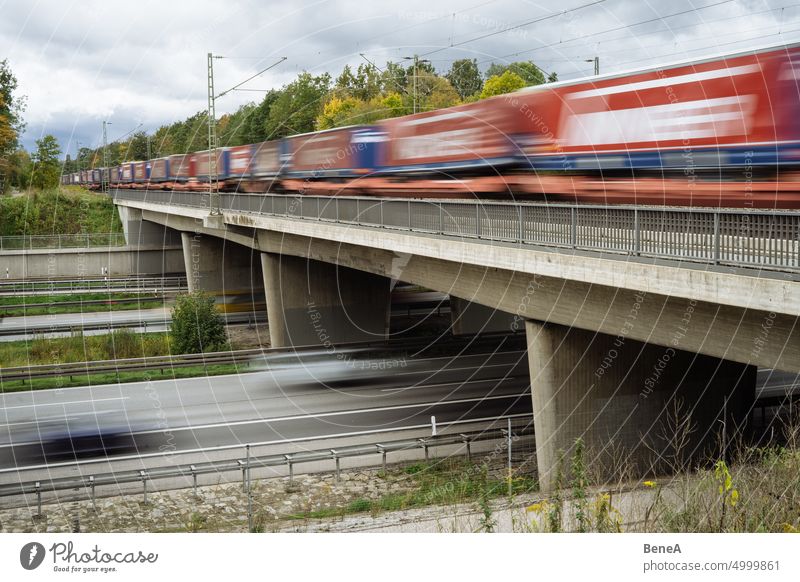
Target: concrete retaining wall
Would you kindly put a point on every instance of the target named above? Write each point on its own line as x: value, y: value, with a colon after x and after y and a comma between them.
x: 127, y: 260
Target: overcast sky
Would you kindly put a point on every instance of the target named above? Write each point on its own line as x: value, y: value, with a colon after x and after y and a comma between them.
x: 82, y: 61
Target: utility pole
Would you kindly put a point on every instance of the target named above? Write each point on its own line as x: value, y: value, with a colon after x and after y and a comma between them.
x: 148, y: 148
x: 213, y: 184
x: 596, y: 62
x: 417, y: 61
x: 104, y: 175
x: 78, y: 157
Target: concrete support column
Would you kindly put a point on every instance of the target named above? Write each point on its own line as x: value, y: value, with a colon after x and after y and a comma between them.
x: 227, y: 270
x: 310, y: 302
x: 640, y: 409
x: 470, y: 318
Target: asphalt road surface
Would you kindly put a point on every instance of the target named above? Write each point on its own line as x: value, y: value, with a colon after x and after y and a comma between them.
x: 198, y: 413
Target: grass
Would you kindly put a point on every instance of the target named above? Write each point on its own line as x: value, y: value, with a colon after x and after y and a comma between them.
x: 448, y: 481
x: 18, y: 306
x: 63, y: 210
x: 20, y: 300
x: 166, y: 373
x: 121, y: 343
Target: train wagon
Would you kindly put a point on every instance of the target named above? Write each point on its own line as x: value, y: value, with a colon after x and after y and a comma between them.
x: 344, y: 152
x: 179, y: 167
x: 159, y: 170
x: 470, y: 137
x: 736, y: 111
x: 126, y: 172
x: 267, y: 158
x: 141, y: 172
x: 200, y: 165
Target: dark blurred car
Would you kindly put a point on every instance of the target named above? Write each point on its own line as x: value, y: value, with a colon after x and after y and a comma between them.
x: 339, y: 369
x: 83, y: 438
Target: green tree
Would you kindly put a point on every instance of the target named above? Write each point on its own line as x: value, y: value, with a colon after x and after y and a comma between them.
x: 137, y: 146
x: 298, y: 106
x: 526, y: 70
x: 465, y: 77
x: 197, y: 326
x: 46, y: 167
x: 500, y: 84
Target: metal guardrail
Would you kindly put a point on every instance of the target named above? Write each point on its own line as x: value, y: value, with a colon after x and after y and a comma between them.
x: 61, y: 241
x: 149, y: 284
x: 131, y: 364
x: 90, y: 482
x: 211, y: 358
x: 743, y: 238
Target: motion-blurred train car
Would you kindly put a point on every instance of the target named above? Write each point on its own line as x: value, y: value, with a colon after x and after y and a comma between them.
x: 179, y: 168
x: 344, y: 152
x: 159, y: 171
x: 469, y: 138
x: 141, y: 172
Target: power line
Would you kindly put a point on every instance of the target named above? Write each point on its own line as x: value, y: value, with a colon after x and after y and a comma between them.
x: 524, y: 24
x: 594, y: 34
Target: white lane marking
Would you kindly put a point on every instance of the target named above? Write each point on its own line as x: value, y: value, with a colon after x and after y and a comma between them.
x: 65, y: 403
x: 395, y: 390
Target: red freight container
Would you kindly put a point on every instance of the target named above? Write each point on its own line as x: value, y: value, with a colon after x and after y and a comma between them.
x: 472, y: 135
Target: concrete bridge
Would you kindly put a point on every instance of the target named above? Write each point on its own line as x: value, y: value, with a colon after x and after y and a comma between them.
x: 645, y: 326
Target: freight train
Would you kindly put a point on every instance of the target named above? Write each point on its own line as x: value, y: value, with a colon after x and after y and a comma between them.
x: 722, y: 131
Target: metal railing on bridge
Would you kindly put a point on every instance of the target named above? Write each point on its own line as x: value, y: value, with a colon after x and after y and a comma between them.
x: 764, y: 239
x: 61, y: 241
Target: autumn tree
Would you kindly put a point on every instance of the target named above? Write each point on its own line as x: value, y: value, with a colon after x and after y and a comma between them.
x: 526, y: 70
x: 500, y: 84
x: 11, y: 124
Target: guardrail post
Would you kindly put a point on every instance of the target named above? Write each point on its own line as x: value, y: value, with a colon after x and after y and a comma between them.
x: 91, y: 489
x: 441, y: 218
x: 291, y: 468
x: 477, y: 220
x: 243, y: 467
x: 637, y: 233
x: 521, y: 224
x: 382, y: 451
x: 410, y: 222
x: 424, y: 444
x: 338, y: 468
x: 193, y: 469
x: 143, y: 476
x: 466, y: 441
x: 38, y: 487
x: 716, y: 238
x: 249, y: 494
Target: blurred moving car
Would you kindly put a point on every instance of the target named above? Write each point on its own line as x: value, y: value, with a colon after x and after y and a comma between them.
x: 85, y: 436
x: 338, y: 369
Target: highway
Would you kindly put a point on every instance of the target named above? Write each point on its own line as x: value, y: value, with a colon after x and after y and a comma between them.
x: 232, y: 410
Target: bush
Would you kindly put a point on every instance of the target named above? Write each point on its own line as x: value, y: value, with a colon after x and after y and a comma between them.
x: 196, y: 325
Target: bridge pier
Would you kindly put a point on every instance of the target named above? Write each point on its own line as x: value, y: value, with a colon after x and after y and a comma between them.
x: 310, y: 302
x: 640, y: 409
x: 222, y: 268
